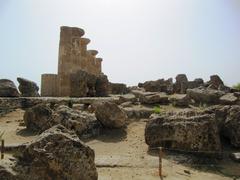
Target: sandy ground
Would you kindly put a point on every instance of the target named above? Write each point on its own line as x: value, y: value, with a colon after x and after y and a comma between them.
x: 14, y: 130
x: 123, y: 154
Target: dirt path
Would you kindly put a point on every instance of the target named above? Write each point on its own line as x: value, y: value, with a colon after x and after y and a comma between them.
x: 14, y: 133
x: 121, y: 156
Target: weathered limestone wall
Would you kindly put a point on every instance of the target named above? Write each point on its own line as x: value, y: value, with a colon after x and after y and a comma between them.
x: 49, y: 85
x: 73, y: 56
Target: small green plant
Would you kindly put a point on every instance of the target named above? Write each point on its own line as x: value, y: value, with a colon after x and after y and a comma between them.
x: 237, y: 86
x: 157, y: 109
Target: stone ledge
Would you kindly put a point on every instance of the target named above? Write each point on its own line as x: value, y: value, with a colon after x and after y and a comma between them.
x: 26, y: 102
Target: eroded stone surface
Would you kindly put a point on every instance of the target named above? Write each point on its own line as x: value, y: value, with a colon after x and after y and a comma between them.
x: 158, y: 98
x: 28, y: 88
x: 180, y: 100
x: 57, y: 154
x: 160, y: 85
x: 73, y: 57
x: 110, y: 115
x: 181, y: 84
x: 8, y: 88
x: 138, y: 112
x: 42, y: 117
x: 205, y: 95
x: 228, y: 99
x: 194, y: 133
x: 231, y: 125
x: 118, y: 88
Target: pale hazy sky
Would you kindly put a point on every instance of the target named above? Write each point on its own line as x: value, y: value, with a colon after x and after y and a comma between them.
x: 138, y: 39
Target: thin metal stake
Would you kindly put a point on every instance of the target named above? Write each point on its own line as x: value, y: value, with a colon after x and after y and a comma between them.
x: 2, y: 149
x: 160, y: 162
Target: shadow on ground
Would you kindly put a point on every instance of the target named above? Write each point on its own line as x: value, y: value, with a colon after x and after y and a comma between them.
x: 221, y: 165
x: 25, y: 133
x: 109, y: 135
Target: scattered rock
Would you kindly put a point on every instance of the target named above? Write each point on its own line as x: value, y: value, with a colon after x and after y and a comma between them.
x: 8, y: 88
x: 6, y: 173
x: 39, y: 118
x: 224, y: 88
x: 138, y: 112
x: 118, y: 88
x: 215, y: 81
x: 126, y: 104
x: 160, y: 85
x: 156, y: 98
x: 79, y: 121
x: 140, y: 93
x: 194, y: 133
x: 57, y: 154
x: 127, y: 98
x: 102, y: 86
x: 181, y: 84
x: 82, y: 84
x: 237, y: 94
x: 228, y: 99
x: 205, y: 95
x: 231, y: 126
x: 28, y: 88
x: 180, y: 100
x: 110, y: 115
x: 196, y: 83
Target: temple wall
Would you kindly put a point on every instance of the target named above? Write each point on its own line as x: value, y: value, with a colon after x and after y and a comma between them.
x: 49, y: 85
x: 73, y: 56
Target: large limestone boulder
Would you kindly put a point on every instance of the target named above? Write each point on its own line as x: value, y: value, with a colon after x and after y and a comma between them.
x: 39, y: 118
x: 158, y: 98
x: 228, y: 99
x: 231, y: 125
x: 228, y: 119
x: 110, y: 115
x: 118, y: 88
x: 102, y: 86
x: 215, y: 82
x: 138, y: 112
x: 28, y: 88
x: 205, y: 95
x: 183, y: 132
x: 127, y: 98
x: 8, y: 88
x: 160, y: 85
x: 151, y: 97
x: 196, y: 83
x: 82, y: 84
x: 181, y: 84
x: 83, y: 123
x: 57, y: 154
x: 180, y: 100
x: 225, y: 89
x: 6, y: 173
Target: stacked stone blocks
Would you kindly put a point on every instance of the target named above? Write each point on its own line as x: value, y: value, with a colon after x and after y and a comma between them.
x: 73, y: 56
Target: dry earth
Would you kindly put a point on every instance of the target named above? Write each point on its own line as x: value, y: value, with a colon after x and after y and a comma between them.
x: 122, y: 155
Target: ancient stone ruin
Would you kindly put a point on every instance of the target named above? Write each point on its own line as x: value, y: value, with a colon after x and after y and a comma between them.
x: 73, y: 57
x: 85, y: 127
